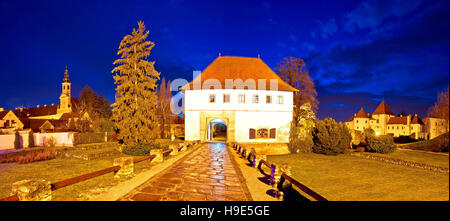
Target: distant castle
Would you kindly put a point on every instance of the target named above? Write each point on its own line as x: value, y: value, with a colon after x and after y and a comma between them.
x: 383, y: 121
x: 44, y: 118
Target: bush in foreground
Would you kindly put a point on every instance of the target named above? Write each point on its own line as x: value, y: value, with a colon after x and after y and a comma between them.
x: 141, y: 149
x: 85, y: 138
x: 28, y: 156
x: 380, y: 144
x: 331, y: 138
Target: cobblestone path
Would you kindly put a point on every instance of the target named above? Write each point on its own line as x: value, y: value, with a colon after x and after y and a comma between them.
x: 208, y: 173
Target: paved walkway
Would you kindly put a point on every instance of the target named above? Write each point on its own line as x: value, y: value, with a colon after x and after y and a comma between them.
x: 208, y: 173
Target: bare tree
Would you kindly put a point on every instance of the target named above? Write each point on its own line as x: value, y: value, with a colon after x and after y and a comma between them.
x: 292, y: 70
x: 440, y: 108
x: 164, y: 97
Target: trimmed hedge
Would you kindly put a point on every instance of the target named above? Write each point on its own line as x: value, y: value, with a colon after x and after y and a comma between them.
x: 31, y: 139
x: 142, y: 149
x: 85, y: 138
x: 17, y: 141
x: 380, y: 144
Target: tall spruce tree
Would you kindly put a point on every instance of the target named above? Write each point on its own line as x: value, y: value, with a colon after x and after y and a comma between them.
x: 134, y: 110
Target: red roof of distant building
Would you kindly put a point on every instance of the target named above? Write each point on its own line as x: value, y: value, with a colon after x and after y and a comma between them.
x: 3, y: 113
x: 383, y: 108
x: 229, y: 67
x: 398, y: 120
x: 362, y: 114
x: 416, y: 120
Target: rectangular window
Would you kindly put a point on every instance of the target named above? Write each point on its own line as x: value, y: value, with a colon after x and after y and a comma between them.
x: 212, y: 98
x: 255, y: 99
x: 280, y: 99
x: 241, y: 98
x: 268, y: 99
x: 226, y: 98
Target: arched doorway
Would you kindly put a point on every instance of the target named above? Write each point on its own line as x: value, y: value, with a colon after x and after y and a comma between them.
x: 217, y: 130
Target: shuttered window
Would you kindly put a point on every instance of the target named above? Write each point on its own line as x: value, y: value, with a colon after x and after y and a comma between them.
x: 262, y: 133
x: 251, y: 133
x: 273, y: 132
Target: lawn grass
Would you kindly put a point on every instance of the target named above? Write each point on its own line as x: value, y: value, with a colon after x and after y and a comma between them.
x: 350, y: 178
x: 63, y: 168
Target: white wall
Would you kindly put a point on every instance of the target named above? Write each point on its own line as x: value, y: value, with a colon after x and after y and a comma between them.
x: 40, y: 139
x: 247, y: 115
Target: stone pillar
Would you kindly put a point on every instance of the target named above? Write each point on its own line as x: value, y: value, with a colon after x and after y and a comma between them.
x: 126, y: 167
x: 281, y: 168
x: 183, y: 146
x: 174, y: 149
x: 159, y: 155
x: 32, y: 190
x: 244, y: 153
x: 258, y: 158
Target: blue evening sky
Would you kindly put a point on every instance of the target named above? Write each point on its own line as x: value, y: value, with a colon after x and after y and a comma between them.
x: 357, y: 52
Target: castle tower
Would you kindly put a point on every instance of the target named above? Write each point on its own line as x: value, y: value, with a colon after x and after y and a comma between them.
x: 65, y: 99
x: 382, y: 114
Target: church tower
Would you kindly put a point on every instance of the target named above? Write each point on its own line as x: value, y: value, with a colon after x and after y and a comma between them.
x: 65, y: 100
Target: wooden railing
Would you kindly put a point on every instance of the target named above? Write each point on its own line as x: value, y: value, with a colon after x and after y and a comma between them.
x: 74, y: 180
x: 283, y: 177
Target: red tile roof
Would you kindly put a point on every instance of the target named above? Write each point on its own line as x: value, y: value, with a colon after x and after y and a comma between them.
x: 398, y: 120
x: 362, y: 114
x: 416, y: 120
x: 37, y: 111
x: 351, y: 119
x: 383, y: 108
x: 229, y: 67
x: 3, y: 114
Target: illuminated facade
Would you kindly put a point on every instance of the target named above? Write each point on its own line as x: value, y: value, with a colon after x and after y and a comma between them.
x: 251, y: 112
x: 383, y: 121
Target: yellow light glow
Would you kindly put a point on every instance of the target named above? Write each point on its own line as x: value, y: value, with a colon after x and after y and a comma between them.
x: 377, y: 133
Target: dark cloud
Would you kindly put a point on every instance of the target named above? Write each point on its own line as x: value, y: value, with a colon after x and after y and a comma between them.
x: 328, y: 28
x: 371, y: 14
x: 407, y: 64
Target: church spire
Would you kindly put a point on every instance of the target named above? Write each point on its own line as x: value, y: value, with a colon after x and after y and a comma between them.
x: 66, y: 75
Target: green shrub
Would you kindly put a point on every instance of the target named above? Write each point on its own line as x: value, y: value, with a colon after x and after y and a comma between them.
x: 141, y: 149
x: 31, y: 139
x: 368, y: 132
x: 358, y: 139
x: 17, y: 141
x: 85, y: 138
x: 380, y: 144
x: 300, y: 140
x: 330, y: 137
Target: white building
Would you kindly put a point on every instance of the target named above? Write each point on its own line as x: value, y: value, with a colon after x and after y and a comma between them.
x: 245, y: 95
